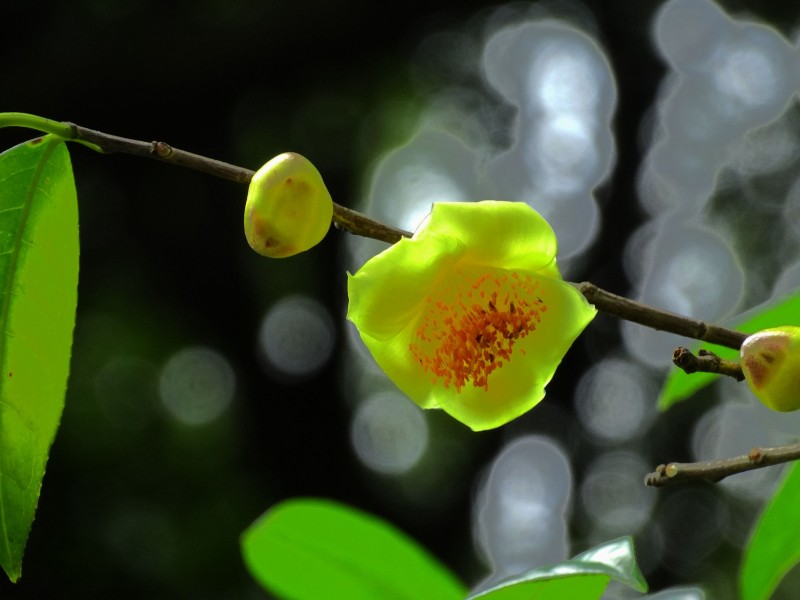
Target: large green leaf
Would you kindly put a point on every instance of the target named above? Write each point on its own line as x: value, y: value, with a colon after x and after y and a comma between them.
x: 782, y: 311
x: 774, y: 546
x: 38, y: 296
x: 307, y: 549
x: 584, y: 576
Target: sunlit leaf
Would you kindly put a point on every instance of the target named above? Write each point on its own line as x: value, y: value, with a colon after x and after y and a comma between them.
x: 584, y: 576
x: 773, y: 548
x: 307, y: 549
x: 782, y: 311
x: 38, y: 296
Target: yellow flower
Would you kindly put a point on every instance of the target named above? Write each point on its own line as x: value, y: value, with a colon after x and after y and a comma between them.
x: 771, y: 366
x: 471, y: 314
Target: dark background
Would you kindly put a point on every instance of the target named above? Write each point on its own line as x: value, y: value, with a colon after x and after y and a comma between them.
x: 154, y: 510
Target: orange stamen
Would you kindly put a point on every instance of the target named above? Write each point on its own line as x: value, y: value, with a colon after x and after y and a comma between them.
x: 463, y: 339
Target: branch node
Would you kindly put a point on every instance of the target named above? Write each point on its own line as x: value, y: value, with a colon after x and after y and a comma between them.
x: 706, y: 362
x: 755, y: 455
x: 655, y: 479
x: 73, y: 129
x: 162, y: 149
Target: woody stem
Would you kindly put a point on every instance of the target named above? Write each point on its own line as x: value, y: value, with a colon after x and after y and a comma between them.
x: 659, y: 319
x: 360, y: 224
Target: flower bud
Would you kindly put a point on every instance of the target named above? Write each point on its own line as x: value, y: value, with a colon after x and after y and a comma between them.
x: 288, y: 207
x: 771, y: 366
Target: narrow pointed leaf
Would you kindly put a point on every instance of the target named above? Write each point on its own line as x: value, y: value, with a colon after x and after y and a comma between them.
x: 782, y: 311
x: 306, y: 549
x: 584, y: 576
x: 773, y: 547
x: 38, y: 297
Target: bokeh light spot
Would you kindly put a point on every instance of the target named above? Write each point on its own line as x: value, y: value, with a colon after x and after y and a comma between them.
x: 296, y: 337
x: 521, y: 512
x: 746, y: 75
x: 565, y: 78
x: 731, y: 429
x: 142, y: 538
x: 126, y: 391
x: 692, y: 272
x: 614, y: 400
x: 613, y: 496
x: 563, y: 144
x: 197, y: 385
x: 389, y: 433
x: 691, y: 520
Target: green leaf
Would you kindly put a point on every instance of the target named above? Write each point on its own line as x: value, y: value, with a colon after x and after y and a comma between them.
x: 311, y: 549
x: 782, y: 311
x: 38, y: 296
x: 584, y: 576
x: 773, y: 548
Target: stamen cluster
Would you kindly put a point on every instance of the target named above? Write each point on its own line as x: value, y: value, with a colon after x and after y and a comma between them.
x: 464, y: 336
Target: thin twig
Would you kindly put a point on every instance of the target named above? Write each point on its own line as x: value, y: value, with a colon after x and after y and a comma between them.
x: 360, y: 224
x: 161, y: 151
x: 715, y: 470
x: 706, y: 362
x: 604, y: 301
x: 343, y: 218
x: 662, y: 320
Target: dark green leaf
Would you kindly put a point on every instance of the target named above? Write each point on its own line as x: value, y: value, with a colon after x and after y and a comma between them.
x: 773, y: 548
x: 38, y: 296
x: 782, y: 311
x: 584, y: 576
x: 307, y: 549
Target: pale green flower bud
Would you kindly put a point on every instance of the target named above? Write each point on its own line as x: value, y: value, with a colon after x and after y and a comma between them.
x: 771, y: 366
x: 288, y: 207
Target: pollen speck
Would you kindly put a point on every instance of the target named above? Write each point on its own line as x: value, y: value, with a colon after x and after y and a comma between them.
x: 462, y: 338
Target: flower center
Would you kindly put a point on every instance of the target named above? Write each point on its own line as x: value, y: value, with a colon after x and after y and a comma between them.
x: 467, y: 331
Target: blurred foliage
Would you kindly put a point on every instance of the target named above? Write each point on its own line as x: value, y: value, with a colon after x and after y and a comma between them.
x: 773, y: 551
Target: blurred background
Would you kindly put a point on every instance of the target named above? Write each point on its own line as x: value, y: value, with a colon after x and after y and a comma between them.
x: 209, y: 383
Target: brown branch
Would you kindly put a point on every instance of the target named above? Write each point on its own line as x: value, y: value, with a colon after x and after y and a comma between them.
x: 604, y: 301
x: 343, y: 218
x: 662, y: 320
x: 706, y: 362
x: 715, y: 470
x: 360, y: 224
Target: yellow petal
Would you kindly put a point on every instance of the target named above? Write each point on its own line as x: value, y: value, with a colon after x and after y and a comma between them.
x: 511, y: 235
x: 518, y: 384
x: 392, y: 356
x: 386, y: 293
